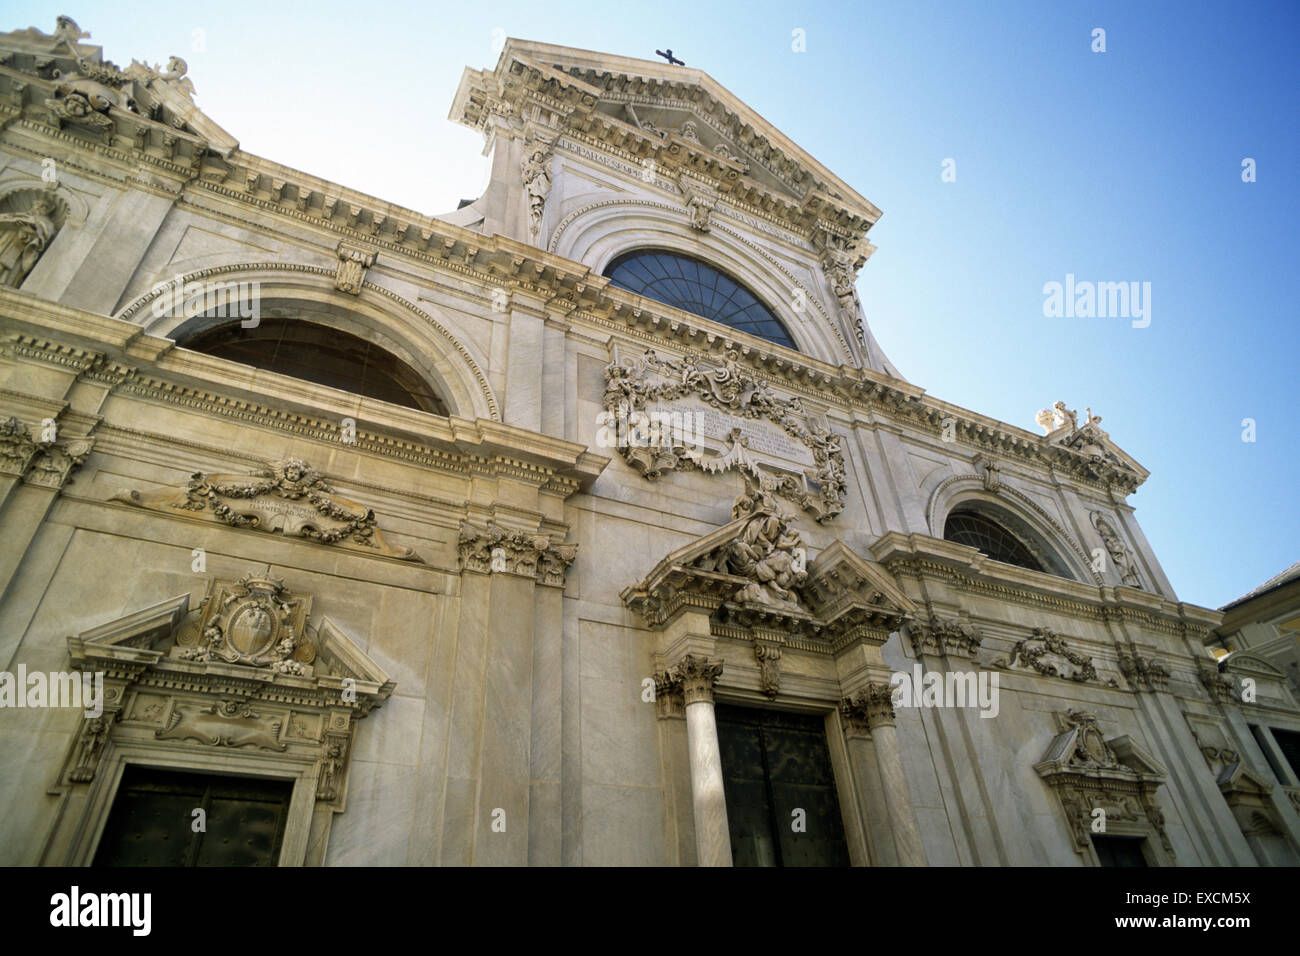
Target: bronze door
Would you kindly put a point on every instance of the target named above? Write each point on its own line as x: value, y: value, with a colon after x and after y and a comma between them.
x: 152, y: 820
x: 774, y: 764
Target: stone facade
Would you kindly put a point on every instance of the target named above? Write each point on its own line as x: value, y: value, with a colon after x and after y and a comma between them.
x: 498, y: 636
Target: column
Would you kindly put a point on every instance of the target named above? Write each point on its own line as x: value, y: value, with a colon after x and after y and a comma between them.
x: 696, y: 677
x: 876, y: 703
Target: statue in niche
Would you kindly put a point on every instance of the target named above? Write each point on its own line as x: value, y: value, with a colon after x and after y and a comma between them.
x: 25, y: 233
x: 536, y: 176
x: 1119, y: 554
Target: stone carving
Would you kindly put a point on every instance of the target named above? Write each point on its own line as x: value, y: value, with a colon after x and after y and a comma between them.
x: 331, y: 769
x: 16, y: 447
x: 1089, y: 440
x: 768, y: 553
x: 1120, y: 556
x: 990, y: 471
x: 46, y: 464
x: 1048, y: 653
x: 94, y: 734
x: 288, y: 496
x: 255, y: 621
x: 535, y: 171
x: 1219, y: 685
x: 174, y: 75
x: 938, y: 637
x: 351, y: 273
x: 1089, y: 772
x: 494, y: 550
x: 873, y: 706
x: 842, y: 259
x: 768, y: 657
x: 727, y: 386
x: 227, y: 723
x: 1143, y: 671
x: 691, y: 679
x: 701, y: 199
x: 29, y: 220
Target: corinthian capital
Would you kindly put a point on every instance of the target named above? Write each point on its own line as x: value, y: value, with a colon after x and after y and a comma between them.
x: 872, y: 706
x: 693, y: 677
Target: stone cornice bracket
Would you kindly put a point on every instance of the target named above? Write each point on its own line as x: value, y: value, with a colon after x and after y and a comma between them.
x: 691, y: 679
x: 700, y: 199
x: 872, y: 707
x: 768, y: 658
x: 496, y: 550
x: 46, y: 464
x: 351, y: 272
x: 990, y: 471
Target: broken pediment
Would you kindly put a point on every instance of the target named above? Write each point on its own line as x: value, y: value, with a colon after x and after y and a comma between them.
x: 290, y: 497
x: 1102, y: 458
x: 753, y: 572
x: 68, y: 83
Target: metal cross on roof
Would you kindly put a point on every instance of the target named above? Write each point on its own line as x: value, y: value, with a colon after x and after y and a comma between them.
x: 672, y: 60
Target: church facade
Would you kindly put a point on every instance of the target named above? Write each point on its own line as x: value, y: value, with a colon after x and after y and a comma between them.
x: 585, y: 525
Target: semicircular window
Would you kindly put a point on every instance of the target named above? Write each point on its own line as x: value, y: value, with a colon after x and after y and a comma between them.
x: 695, y: 286
x: 977, y: 531
x: 320, y: 354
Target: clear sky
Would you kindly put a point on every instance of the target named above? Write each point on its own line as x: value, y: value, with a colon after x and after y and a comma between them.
x: 1117, y: 166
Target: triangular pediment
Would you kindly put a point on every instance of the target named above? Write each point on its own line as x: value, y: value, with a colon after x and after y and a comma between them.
x: 678, y: 115
x: 142, y: 630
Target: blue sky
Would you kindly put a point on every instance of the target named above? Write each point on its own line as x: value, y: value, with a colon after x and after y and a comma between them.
x: 1115, y: 166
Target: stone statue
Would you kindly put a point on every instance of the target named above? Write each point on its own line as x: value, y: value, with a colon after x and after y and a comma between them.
x: 536, y: 175
x: 24, y: 236
x: 1119, y: 554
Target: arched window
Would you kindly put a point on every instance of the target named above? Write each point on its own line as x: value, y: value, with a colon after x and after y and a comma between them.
x: 317, y: 353
x: 985, y: 534
x: 695, y: 286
